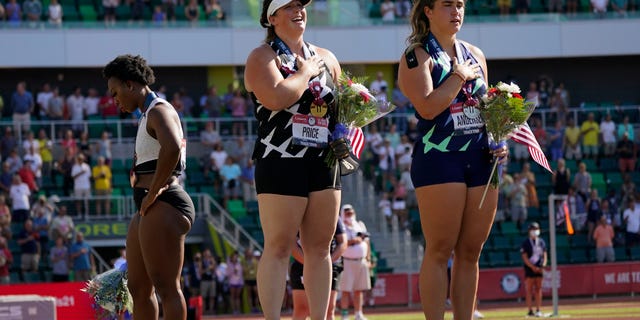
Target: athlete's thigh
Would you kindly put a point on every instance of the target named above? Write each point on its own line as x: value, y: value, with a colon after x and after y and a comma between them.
x: 280, y: 216
x: 321, y: 217
x: 476, y: 220
x: 162, y: 232
x: 441, y: 207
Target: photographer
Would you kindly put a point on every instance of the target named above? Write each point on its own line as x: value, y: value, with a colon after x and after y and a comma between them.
x: 357, y: 257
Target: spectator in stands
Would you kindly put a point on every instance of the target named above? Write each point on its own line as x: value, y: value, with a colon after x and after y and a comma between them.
x: 28, y: 177
x: 45, y: 207
x: 247, y: 178
x: 6, y: 260
x: 159, y: 16
x: 376, y: 85
x: 544, y: 93
x: 63, y: 167
x: 177, y: 104
x: 627, y: 189
x: 2, y: 13
x: 218, y: 157
x: 56, y: 106
x: 194, y: 276
x: 81, y: 174
x: 91, y: 102
x: 528, y: 178
x: 22, y: 105
x: 631, y: 218
x: 534, y: 257
x: 626, y: 151
x: 608, y: 132
x: 403, y: 153
x: 14, y: 161
x: 239, y: 149
x: 82, y: 259
x: 599, y: 7
x: 355, y: 278
x: 627, y: 127
x: 28, y: 141
x: 504, y: 7
x: 386, y: 161
x: 236, y: 281
x: 19, y: 194
x: 103, y: 147
x: 32, y: 10
x: 77, y: 109
x: 62, y: 225
x: 517, y: 195
x: 222, y: 285
x: 557, y: 102
x: 44, y: 146
x: 590, y: 131
x: 8, y: 143
x: 41, y: 222
x: 207, y: 271
x: 59, y: 256
x: 69, y: 142
x: 35, y: 165
x: 192, y: 11
x: 571, y: 141
x: 594, y: 212
x: 5, y: 218
x: 403, y: 8
x: 42, y: 98
x: 582, y: 181
x: 170, y: 9
x: 101, y: 174
x: 296, y: 204
x: 577, y: 208
x: 13, y: 12
x: 502, y: 210
x: 603, y: 236
x: 540, y: 133
x: 107, y: 105
x: 533, y: 95
x: 388, y: 11
x: 29, y: 248
x: 230, y: 173
x: 249, y: 274
x: 55, y: 13
x: 403, y: 105
x: 561, y: 178
x: 620, y: 7
x: 209, y: 137
x: 214, y: 11
x: 6, y: 177
x: 238, y: 110
x: 84, y: 146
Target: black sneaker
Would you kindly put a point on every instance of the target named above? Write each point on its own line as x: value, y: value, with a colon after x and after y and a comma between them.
x: 530, y: 314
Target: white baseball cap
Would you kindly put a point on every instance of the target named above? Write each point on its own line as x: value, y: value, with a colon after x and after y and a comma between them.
x: 277, y: 4
x: 346, y: 207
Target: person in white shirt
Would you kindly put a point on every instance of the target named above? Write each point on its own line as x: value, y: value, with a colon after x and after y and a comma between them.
x: 36, y: 163
x: 355, y: 278
x: 376, y: 85
x: 55, y: 12
x: 91, y: 102
x: 608, y: 132
x: 631, y: 217
x: 42, y: 99
x: 19, y: 193
x: 77, y: 111
x: 388, y: 11
x: 81, y: 174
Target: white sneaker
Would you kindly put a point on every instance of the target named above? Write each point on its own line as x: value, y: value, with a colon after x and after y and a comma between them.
x: 359, y: 317
x: 344, y: 318
x: 478, y: 315
x: 539, y: 314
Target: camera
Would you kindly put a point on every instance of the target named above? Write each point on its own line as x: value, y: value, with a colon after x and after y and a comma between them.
x: 362, y: 234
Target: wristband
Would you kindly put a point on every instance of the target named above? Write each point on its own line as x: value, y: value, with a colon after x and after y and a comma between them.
x: 459, y: 76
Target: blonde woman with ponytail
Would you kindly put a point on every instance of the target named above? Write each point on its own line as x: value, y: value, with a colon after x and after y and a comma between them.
x: 444, y: 78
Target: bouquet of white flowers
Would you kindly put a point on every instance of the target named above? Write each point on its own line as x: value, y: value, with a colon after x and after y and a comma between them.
x: 110, y: 293
x: 356, y: 108
x: 503, y: 110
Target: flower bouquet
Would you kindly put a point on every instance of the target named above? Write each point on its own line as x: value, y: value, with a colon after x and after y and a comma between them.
x: 110, y: 293
x: 356, y: 107
x: 504, y: 111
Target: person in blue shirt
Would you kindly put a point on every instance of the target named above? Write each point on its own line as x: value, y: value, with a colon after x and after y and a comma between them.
x: 82, y: 259
x: 22, y: 105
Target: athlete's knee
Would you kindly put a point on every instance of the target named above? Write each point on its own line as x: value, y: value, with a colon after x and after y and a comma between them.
x: 468, y: 251
x: 439, y: 252
x: 279, y: 249
x: 139, y: 291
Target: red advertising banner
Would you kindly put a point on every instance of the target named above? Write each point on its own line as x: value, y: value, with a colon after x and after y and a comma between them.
x: 508, y: 283
x: 71, y: 303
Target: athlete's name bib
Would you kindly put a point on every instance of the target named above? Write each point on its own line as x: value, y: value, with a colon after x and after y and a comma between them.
x: 466, y: 119
x: 310, y: 131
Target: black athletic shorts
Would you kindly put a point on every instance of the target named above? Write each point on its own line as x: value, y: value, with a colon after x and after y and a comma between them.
x: 174, y: 195
x: 294, y: 176
x: 469, y: 167
x: 295, y: 276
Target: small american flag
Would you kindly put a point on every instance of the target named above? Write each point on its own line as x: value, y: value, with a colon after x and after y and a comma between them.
x: 356, y: 137
x: 524, y: 135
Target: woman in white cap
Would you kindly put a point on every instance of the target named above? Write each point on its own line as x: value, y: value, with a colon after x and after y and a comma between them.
x: 292, y: 85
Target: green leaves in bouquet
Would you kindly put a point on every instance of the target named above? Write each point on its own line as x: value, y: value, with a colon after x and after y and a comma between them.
x: 356, y: 105
x: 503, y: 114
